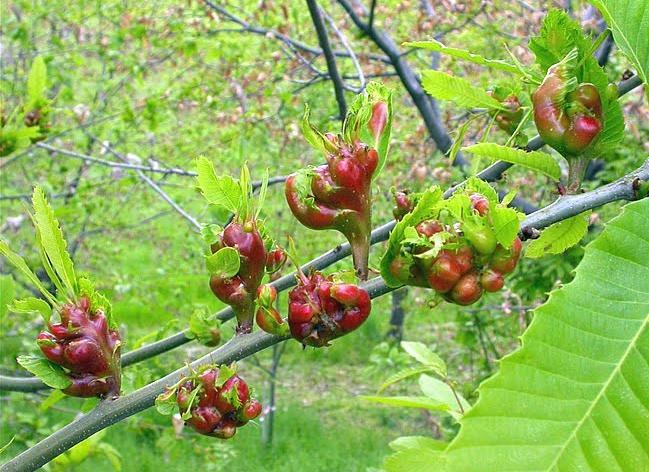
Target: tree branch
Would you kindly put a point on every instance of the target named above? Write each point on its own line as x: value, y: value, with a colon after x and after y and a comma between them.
x: 564, y: 207
x: 156, y: 188
x: 379, y: 234
x: 112, y: 411
x: 323, y: 39
x: 120, y: 165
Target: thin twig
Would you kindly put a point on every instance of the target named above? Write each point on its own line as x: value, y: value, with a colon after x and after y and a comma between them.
x: 248, y: 28
x: 121, y: 165
x: 155, y: 187
x: 352, y: 55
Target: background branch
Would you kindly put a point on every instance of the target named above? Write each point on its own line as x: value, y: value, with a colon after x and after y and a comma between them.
x: 323, y: 39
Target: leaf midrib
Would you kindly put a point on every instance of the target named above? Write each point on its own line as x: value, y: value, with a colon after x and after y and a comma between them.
x: 605, y: 385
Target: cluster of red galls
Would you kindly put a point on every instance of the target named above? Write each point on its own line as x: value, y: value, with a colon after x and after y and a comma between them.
x: 217, y: 411
x: 321, y: 309
x: 466, y: 267
x: 85, y: 346
x: 339, y: 196
x: 461, y: 275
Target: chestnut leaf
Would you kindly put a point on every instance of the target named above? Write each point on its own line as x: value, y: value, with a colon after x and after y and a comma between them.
x: 32, y: 305
x: 222, y: 190
x: 506, y: 224
x: 51, y: 374
x: 425, y: 356
x: 54, y: 248
x: 19, y: 263
x: 165, y: 403
x: 224, y: 263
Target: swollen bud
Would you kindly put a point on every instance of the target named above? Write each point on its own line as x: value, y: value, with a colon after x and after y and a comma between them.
x: 275, y: 260
x: 239, y: 291
x: 378, y: 119
x: 338, y: 195
x: 402, y: 205
x: 428, y: 228
x: 321, y: 310
x: 462, y: 262
x: 567, y: 122
x: 479, y: 203
x: 212, y: 410
x: 266, y: 295
x: 86, y: 348
x: 491, y: 280
x: 270, y: 321
x: 467, y: 290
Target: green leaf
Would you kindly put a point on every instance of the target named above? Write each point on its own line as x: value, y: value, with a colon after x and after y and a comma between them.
x: 629, y: 21
x: 211, y: 233
x: 112, y: 454
x: 52, y: 399
x: 225, y: 262
x: 574, y: 395
x: 53, y: 243
x: 425, y: 356
x: 404, y: 374
x: 303, y: 179
x: 245, y: 184
x: 425, y: 208
x: 474, y: 184
x: 447, y: 87
x: 32, y: 305
x: 36, y: 82
x: 508, y: 198
x: 412, y: 460
x: 408, y: 402
x: 313, y: 136
x: 98, y: 301
x: 187, y: 414
x: 559, y: 34
x: 19, y: 263
x: 225, y: 373
x: 262, y: 193
x: 6, y: 446
x: 165, y: 403
x: 459, y: 140
x: 47, y: 264
x: 441, y: 392
x: 417, y: 442
x: 608, y: 140
x: 51, y: 374
x: 560, y: 236
x: 436, y: 46
x: 506, y: 224
x: 222, y: 191
x: 534, y: 160
x: 201, y: 325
